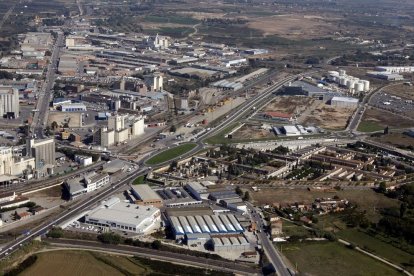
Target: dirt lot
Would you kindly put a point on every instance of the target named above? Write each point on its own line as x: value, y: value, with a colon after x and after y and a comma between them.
x: 328, y: 117
x: 366, y: 199
x: 289, y: 25
x: 384, y: 119
x: 397, y: 139
x: 289, y: 104
x: 252, y: 132
x: 401, y: 90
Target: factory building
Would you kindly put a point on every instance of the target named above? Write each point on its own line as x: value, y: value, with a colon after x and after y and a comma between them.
x: 9, y: 102
x: 155, y: 82
x: 352, y: 83
x: 114, y: 214
x: 146, y: 196
x: 119, y: 131
x: 14, y: 165
x: 177, y: 196
x: 347, y: 102
x: 42, y: 150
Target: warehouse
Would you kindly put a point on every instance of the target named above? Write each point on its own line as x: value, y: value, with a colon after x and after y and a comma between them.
x: 206, y: 224
x: 146, y: 196
x: 114, y: 214
x: 72, y: 107
x: 177, y: 196
x: 234, y: 243
x: 290, y: 130
x: 344, y: 102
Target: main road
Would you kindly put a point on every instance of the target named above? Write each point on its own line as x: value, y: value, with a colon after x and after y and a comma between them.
x: 272, y: 254
x: 45, y: 96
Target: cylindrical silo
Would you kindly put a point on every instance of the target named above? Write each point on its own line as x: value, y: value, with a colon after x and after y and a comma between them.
x: 359, y: 86
x: 342, y: 72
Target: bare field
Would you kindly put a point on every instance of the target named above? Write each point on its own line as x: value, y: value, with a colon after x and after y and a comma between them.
x: 401, y: 90
x: 293, y: 25
x: 329, y: 117
x: 384, y: 119
x: 252, y: 132
x: 289, y: 104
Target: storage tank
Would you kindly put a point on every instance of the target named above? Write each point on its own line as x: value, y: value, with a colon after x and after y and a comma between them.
x: 359, y: 87
x: 342, y: 80
x: 342, y: 72
x: 350, y: 83
x: 366, y: 85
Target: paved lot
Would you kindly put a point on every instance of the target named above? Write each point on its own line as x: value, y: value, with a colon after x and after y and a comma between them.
x: 392, y: 103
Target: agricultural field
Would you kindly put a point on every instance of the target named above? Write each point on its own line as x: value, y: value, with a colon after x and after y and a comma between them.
x: 332, y: 258
x: 92, y: 263
x: 81, y: 263
x: 374, y: 119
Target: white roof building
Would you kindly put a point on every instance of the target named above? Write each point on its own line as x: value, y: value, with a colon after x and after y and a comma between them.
x: 122, y: 216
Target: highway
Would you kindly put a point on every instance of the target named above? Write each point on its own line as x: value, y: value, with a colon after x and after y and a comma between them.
x: 221, y: 265
x: 271, y: 252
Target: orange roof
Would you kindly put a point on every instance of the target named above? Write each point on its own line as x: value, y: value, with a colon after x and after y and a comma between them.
x: 279, y: 114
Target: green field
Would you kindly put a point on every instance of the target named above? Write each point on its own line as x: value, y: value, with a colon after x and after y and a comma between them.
x: 368, y: 126
x: 172, y: 19
x: 139, y: 180
x: 170, y: 154
x: 378, y: 247
x: 332, y: 258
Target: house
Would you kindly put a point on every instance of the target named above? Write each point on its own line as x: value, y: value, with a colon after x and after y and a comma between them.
x: 22, y: 215
x: 305, y: 220
x: 276, y: 225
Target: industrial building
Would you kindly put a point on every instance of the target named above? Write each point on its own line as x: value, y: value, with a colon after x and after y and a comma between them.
x: 9, y: 102
x: 83, y: 160
x: 119, y: 131
x: 11, y: 164
x: 146, y: 196
x: 176, y: 196
x: 72, y: 107
x: 347, y: 102
x: 230, y: 244
x: 207, y: 224
x: 42, y: 150
x: 114, y: 214
x: 85, y: 184
x: 278, y: 116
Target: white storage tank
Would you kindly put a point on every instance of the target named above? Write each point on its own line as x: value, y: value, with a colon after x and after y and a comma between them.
x: 359, y: 87
x: 342, y: 72
x: 366, y: 85
x: 350, y: 83
x: 342, y: 80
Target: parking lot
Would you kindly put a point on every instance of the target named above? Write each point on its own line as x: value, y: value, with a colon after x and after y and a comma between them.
x: 393, y: 103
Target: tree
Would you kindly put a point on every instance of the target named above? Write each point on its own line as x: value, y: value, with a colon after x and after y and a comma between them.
x: 386, y: 130
x: 110, y: 238
x: 403, y: 209
x: 156, y: 244
x: 238, y: 191
x: 382, y: 188
x: 246, y: 196
x: 173, y: 128
x: 54, y: 125
x: 55, y: 233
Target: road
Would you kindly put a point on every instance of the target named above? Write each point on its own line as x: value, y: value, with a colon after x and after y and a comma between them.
x: 220, y: 265
x: 44, y: 97
x: 271, y: 252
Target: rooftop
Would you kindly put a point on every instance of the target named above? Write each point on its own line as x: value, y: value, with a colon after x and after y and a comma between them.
x: 145, y: 192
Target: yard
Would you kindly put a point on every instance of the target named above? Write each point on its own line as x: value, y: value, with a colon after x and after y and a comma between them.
x: 376, y: 119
